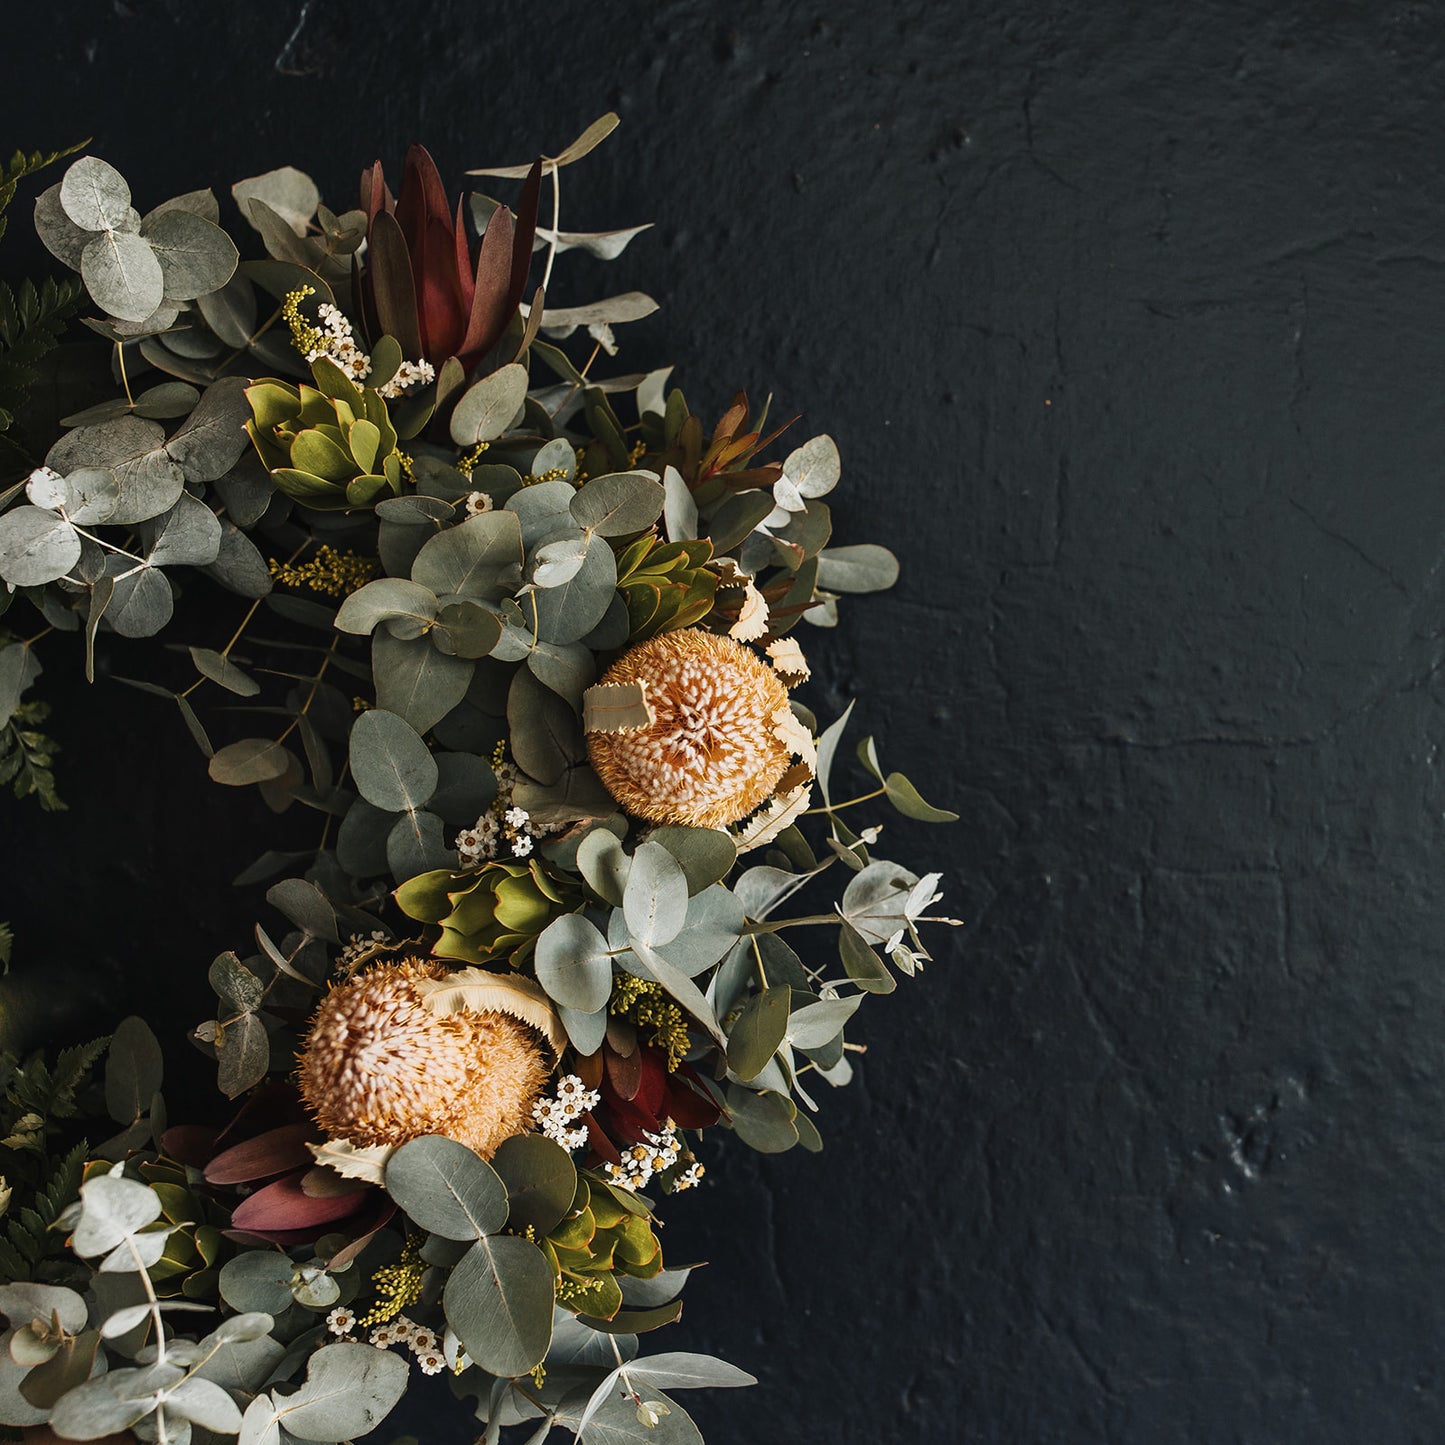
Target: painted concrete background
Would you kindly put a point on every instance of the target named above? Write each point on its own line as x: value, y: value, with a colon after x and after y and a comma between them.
x: 1129, y: 321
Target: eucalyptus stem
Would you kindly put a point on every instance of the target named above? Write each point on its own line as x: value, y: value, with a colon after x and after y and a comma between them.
x: 556, y: 221
x: 124, y: 379
x: 852, y: 802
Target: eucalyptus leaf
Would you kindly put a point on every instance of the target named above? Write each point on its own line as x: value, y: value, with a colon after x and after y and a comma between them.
x: 123, y: 276
x: 196, y: 256
x: 252, y: 760
x: 541, y: 1182
x: 415, y: 681
x: 905, y: 797
x: 498, y: 1301
x: 863, y: 568
x: 488, y: 407
x: 36, y: 546
x: 601, y: 861
x: 133, y: 1069
x: 223, y: 672
x: 408, y: 606
x: 568, y: 612
x: 655, y: 898
x: 392, y: 766
x: 619, y: 503
x: 467, y: 560
x: 349, y: 1390
x: 417, y: 844
x: 187, y: 534
x: 95, y: 196
x: 758, y: 1031
x: 212, y: 440
x: 814, y: 468
x: 573, y: 964
x: 816, y: 1024
x: 142, y: 602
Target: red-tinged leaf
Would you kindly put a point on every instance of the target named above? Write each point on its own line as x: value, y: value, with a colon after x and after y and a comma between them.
x: 361, y: 288
x: 754, y: 477
x: 589, y: 1069
x: 493, y: 280
x: 534, y: 320
x: 731, y: 419
x: 324, y: 1183
x: 347, y: 1254
x: 651, y: 1093
x: 526, y: 234
x: 254, y: 1238
x: 191, y: 1144
x: 263, y: 1156
x: 601, y: 1145
x: 688, y: 1104
x: 285, y: 1206
x: 426, y: 225
x: 465, y: 279
x: 624, y: 1073
x: 268, y: 1107
x: 393, y: 291
x: 374, y: 194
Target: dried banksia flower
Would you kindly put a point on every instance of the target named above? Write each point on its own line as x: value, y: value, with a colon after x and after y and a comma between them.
x: 380, y: 1067
x: 717, y: 739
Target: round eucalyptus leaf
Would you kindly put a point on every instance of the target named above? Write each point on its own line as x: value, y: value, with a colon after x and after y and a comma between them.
x: 112, y: 1210
x: 122, y: 274
x: 573, y: 965
x: 196, y: 256
x: 586, y: 1031
x: 258, y: 1281
x: 487, y: 409
x: 349, y: 1389
x: 540, y: 1179
x: 601, y: 861
x: 466, y: 629
x: 142, y: 602
x: 569, y: 669
x: 417, y: 844
x: 546, y: 734
x: 542, y: 509
x: 762, y: 1121
x: 407, y: 607
x: 251, y: 760
x: 189, y: 534
x: 361, y: 839
x: 62, y: 237
x: 169, y: 399
x: 446, y: 1189
x: 569, y: 611
x: 95, y: 195
x: 706, y: 854
x: 415, y: 681
x: 392, y: 766
x: 498, y: 1301
x: 466, y: 786
x: 468, y: 558
x: 654, y: 901
x: 863, y: 568
x: 619, y: 503
x: 557, y: 455
x: 557, y: 558
x: 814, y: 467
x: 714, y: 923
x: 36, y: 546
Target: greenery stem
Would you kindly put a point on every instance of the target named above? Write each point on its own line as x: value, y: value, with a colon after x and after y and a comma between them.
x: 837, y: 807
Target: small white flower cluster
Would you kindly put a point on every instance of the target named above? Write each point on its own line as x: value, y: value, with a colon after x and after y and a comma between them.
x: 358, y: 945
x: 477, y: 502
x: 422, y: 1342
x: 690, y: 1177
x: 502, y: 823
x: 559, y: 1118
x: 339, y: 344
x: 641, y: 1161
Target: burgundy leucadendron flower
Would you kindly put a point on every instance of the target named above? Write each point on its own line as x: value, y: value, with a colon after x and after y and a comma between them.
x: 419, y: 281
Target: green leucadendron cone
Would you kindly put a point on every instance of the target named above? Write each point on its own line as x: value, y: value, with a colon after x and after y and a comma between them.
x: 491, y: 914
x: 330, y: 446
x: 606, y: 1233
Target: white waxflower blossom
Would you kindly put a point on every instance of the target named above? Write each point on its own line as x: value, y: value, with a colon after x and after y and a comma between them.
x: 478, y: 502
x: 423, y: 1341
x: 432, y: 1362
x: 341, y: 1321
x: 517, y: 817
x: 521, y: 845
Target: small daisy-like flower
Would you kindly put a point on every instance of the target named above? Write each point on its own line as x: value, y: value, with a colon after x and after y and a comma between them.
x: 478, y: 502
x: 690, y: 1177
x: 517, y: 817
x: 712, y: 753
x: 382, y: 1336
x: 432, y: 1362
x: 341, y: 1321
x: 424, y: 1341
x: 521, y: 845
x: 402, y: 1329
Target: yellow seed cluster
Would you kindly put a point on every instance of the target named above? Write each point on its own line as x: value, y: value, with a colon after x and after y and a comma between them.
x: 639, y: 450
x: 330, y: 572
x: 304, y: 336
x: 398, y: 1286
x: 465, y: 465
x: 553, y: 474
x: 643, y: 1002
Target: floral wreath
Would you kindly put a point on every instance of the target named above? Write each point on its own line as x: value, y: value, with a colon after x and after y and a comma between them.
x: 529, y: 655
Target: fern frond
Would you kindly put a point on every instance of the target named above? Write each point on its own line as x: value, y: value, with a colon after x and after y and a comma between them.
x: 23, y: 165
x: 71, y: 1067
x: 31, y: 322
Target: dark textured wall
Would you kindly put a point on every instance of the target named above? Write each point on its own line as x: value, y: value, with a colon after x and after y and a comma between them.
x: 1127, y: 319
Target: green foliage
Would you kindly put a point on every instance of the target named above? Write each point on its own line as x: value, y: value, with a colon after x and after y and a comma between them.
x: 21, y: 166
x: 27, y: 756
x: 31, y: 322
x: 38, y: 1099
